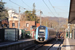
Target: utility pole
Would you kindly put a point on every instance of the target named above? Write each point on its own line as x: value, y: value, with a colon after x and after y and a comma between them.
x: 40, y: 17
x: 19, y: 19
x: 34, y: 13
x: 34, y: 6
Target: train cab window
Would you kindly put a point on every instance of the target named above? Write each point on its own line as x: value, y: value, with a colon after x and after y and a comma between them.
x: 41, y: 31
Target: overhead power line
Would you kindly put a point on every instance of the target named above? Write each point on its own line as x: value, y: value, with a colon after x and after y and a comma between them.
x: 53, y: 7
x: 25, y: 4
x: 48, y: 7
x: 16, y: 4
x: 60, y: 8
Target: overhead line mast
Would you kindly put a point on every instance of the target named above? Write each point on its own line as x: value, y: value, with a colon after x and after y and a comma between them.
x: 19, y: 19
x: 40, y: 17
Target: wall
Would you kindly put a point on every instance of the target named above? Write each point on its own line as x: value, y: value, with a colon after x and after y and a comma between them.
x: 22, y: 24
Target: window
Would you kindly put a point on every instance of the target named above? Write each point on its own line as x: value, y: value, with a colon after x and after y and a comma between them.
x: 13, y: 24
x: 41, y: 31
x: 27, y: 24
x: 14, y: 17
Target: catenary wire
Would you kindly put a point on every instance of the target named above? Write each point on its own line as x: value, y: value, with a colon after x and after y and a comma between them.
x: 25, y: 4
x: 16, y: 4
x: 53, y: 7
x: 48, y: 7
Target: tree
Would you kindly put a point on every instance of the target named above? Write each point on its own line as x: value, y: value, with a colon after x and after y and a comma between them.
x: 3, y: 11
x: 31, y: 16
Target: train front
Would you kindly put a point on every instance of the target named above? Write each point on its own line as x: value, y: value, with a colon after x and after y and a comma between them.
x: 41, y: 34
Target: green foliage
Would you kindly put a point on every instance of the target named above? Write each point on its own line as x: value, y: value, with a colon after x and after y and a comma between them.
x: 31, y: 16
x: 3, y: 11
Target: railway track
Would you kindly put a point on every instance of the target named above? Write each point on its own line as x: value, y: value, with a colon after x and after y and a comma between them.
x: 55, y: 46
x: 39, y: 46
x: 30, y: 46
x: 51, y: 46
x: 34, y: 47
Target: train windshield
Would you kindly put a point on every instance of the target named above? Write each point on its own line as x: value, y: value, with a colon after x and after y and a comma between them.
x: 42, y: 30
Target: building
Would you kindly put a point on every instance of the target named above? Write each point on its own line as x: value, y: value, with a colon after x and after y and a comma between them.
x: 13, y: 21
x: 13, y: 16
x: 27, y: 25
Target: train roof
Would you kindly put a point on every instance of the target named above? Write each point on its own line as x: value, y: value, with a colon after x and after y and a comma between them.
x: 50, y: 28
x: 42, y: 26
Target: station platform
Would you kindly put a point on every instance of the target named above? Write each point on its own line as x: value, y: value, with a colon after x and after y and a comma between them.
x: 14, y: 42
x: 68, y: 44
x: 17, y: 45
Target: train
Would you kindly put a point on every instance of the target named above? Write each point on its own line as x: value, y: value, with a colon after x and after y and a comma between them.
x: 44, y: 34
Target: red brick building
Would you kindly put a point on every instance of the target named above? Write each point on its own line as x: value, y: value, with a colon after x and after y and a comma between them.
x: 23, y: 24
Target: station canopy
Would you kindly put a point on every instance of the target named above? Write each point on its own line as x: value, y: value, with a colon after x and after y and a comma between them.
x: 71, y: 18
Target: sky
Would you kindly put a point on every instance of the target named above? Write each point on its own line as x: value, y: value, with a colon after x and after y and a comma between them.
x: 57, y: 8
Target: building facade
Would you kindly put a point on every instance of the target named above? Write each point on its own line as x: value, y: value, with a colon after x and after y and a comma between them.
x: 27, y: 25
x: 13, y: 22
